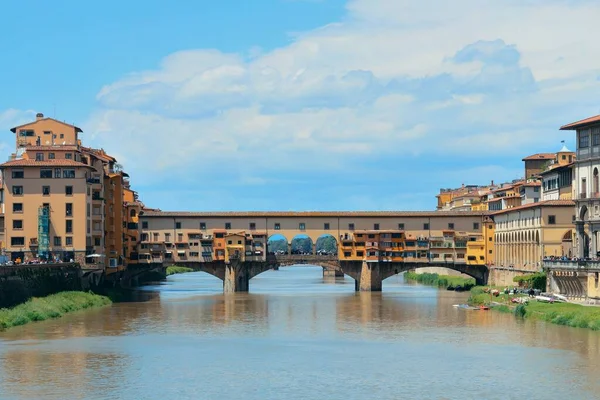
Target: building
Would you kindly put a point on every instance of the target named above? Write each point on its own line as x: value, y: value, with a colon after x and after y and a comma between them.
x: 525, y: 235
x: 62, y: 201
x: 557, y: 182
x: 587, y: 189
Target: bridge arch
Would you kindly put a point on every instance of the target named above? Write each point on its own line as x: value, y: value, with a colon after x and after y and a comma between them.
x: 477, y: 272
x: 326, y: 244
x: 302, y: 244
x: 277, y: 244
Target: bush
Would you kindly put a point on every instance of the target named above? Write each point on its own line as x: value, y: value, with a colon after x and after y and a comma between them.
x: 442, y: 281
x: 520, y: 311
x: 535, y: 281
x: 174, y: 269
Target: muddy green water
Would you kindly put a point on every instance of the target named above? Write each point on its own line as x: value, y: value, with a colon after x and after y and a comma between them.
x: 296, y: 335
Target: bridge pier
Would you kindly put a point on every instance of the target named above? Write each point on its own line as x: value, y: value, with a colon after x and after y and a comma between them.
x: 369, y: 279
x: 237, y: 277
x: 329, y: 272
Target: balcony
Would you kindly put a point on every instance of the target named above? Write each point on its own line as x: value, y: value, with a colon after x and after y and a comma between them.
x: 132, y: 226
x: 96, y: 197
x: 94, y: 181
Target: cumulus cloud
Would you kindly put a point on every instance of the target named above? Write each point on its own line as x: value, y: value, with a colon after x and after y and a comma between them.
x: 475, y: 80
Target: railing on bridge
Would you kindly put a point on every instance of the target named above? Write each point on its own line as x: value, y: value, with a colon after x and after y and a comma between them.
x: 299, y: 258
x: 580, y: 265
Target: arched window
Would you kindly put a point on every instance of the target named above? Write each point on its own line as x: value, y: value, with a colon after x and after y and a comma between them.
x: 595, y: 183
x: 132, y: 213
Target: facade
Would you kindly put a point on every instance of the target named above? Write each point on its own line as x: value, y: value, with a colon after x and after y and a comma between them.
x: 62, y: 201
x: 587, y: 188
x: 536, y: 163
x: 525, y: 235
x: 370, y: 236
x: 557, y: 183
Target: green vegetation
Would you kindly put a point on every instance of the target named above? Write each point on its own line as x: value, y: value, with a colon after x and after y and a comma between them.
x: 568, y: 314
x: 53, y: 306
x: 536, y: 281
x: 174, y: 269
x: 442, y: 281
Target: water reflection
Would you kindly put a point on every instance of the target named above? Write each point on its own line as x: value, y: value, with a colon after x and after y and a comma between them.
x: 296, y: 335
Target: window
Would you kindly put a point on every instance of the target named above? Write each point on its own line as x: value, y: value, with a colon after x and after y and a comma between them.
x: 475, y: 226
x: 490, y: 251
x: 252, y: 226
x: 584, y: 138
x: 69, y: 241
x: 426, y: 226
x: 551, y: 219
x: 17, y: 224
x: 376, y: 227
x: 62, y: 135
x: 97, y: 241
x: 277, y: 226
x: 57, y: 172
x: 25, y: 133
x: 302, y: 226
x: 177, y: 225
x: 167, y: 237
x: 239, y: 242
x: 227, y: 225
x: 401, y: 227
x: 451, y: 225
x: 155, y: 237
x: 202, y: 225
x: 39, y: 156
x: 326, y: 226
x: 69, y: 226
x: 145, y: 225
x: 490, y: 239
x: 18, y: 174
x: 17, y: 241
x: 360, y: 253
x: 57, y: 241
x: 68, y: 173
x: 595, y: 138
x: 230, y: 242
x: 46, y: 173
x: 17, y: 207
x: 17, y: 190
x: 347, y: 254
x: 69, y: 209
x: 69, y: 190
x: 51, y: 156
x: 351, y: 227
x: 69, y: 156
x: 46, y: 190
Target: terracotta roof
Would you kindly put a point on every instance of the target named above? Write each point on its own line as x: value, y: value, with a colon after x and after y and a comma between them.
x: 540, y: 156
x: 46, y: 163
x: 580, y: 124
x: 98, y: 153
x: 533, y: 184
x: 557, y: 167
x: 65, y: 147
x: 77, y: 129
x: 547, y: 203
x: 325, y: 214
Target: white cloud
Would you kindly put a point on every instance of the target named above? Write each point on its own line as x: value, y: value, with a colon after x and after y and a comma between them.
x: 396, y: 79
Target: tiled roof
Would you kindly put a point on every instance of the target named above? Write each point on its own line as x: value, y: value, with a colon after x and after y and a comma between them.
x: 77, y: 129
x: 540, y: 156
x: 66, y: 147
x: 547, y: 203
x: 532, y: 184
x: 556, y: 167
x: 348, y: 214
x: 46, y: 163
x: 580, y: 124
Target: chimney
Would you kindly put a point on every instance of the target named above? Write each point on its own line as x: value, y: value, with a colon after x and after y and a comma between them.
x: 492, y: 182
x: 39, y: 116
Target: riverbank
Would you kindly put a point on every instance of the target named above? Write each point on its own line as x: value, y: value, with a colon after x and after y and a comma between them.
x: 49, y: 307
x: 441, y: 281
x: 173, y: 269
x: 567, y: 314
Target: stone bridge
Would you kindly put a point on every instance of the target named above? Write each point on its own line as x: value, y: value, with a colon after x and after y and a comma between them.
x: 368, y: 276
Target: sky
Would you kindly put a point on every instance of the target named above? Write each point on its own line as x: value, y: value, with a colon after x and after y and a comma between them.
x: 304, y: 104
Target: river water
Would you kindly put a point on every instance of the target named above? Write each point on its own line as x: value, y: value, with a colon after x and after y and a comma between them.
x: 296, y: 335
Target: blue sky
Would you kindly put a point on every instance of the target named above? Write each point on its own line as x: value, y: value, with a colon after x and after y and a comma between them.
x: 304, y: 104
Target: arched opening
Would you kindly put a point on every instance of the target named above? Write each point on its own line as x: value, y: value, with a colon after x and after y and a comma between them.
x: 326, y: 245
x: 595, y: 183
x: 567, y: 244
x: 302, y: 244
x: 133, y: 213
x: 583, y: 213
x: 277, y: 244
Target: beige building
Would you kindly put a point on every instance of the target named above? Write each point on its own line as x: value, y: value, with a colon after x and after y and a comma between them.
x: 526, y: 234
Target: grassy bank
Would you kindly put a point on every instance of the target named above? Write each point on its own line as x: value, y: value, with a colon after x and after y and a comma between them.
x: 173, y: 269
x: 567, y: 314
x: 442, y: 281
x: 53, y: 306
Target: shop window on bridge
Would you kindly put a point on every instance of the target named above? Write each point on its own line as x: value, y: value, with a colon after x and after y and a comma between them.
x: 471, y: 258
x: 362, y: 253
x: 371, y: 236
x: 396, y: 236
x: 481, y: 258
x: 347, y: 254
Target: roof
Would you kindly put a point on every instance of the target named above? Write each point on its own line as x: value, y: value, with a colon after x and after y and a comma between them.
x: 46, y: 163
x: 77, y: 129
x: 324, y: 214
x: 99, y: 153
x: 533, y: 184
x: 556, y: 168
x: 540, y: 156
x: 62, y: 147
x: 581, y: 123
x: 547, y: 203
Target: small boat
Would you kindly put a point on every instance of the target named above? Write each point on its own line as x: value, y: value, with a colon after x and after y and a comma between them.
x: 560, y: 297
x: 484, y: 308
x: 544, y: 299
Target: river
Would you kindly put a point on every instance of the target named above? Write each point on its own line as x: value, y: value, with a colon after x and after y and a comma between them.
x: 296, y: 335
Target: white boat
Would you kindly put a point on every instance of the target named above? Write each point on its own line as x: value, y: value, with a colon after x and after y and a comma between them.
x: 544, y: 299
x: 560, y: 297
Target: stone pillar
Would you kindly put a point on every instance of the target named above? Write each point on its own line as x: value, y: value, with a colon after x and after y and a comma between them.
x: 594, y: 243
x: 370, y: 278
x: 237, y: 277
x: 289, y: 248
x: 330, y: 272
x: 579, y: 232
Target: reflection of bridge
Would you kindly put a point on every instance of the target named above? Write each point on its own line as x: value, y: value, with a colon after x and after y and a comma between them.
x: 368, y: 276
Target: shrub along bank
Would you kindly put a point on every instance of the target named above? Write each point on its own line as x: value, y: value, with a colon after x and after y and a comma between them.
x: 567, y: 314
x: 49, y: 307
x: 442, y: 281
x: 174, y: 269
